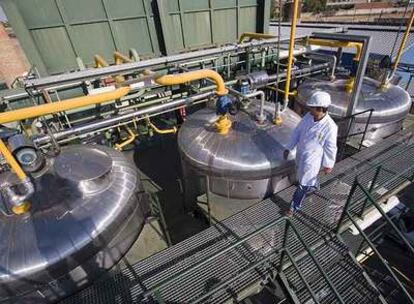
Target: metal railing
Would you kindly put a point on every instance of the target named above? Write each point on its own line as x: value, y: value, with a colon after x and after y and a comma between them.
x: 370, y: 200
x: 265, y: 263
x: 344, y: 138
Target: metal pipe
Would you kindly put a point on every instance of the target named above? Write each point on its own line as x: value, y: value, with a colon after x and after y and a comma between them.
x: 118, y: 119
x: 291, y: 49
x: 68, y: 104
x: 100, y: 62
x: 257, y: 36
x: 402, y: 46
x: 141, y: 65
x: 172, y: 130
x: 14, y: 165
x: 121, y: 58
x: 261, y: 117
x: 126, y: 142
x: 195, y: 75
x: 338, y: 44
x: 332, y: 58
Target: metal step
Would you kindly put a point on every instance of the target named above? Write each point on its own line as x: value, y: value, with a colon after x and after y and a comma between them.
x: 348, y: 277
x: 387, y: 286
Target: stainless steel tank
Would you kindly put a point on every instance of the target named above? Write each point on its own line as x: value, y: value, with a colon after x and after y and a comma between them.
x: 87, y: 210
x: 391, y: 105
x: 246, y: 163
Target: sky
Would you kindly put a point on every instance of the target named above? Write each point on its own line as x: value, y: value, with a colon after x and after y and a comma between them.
x: 2, y: 15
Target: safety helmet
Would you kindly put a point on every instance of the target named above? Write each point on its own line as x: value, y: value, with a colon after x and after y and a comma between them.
x: 319, y: 99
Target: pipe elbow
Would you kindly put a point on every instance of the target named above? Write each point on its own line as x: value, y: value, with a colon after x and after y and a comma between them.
x: 195, y: 75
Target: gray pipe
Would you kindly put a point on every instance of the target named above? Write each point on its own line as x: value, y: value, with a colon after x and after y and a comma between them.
x: 332, y: 58
x: 141, y: 65
x: 114, y: 120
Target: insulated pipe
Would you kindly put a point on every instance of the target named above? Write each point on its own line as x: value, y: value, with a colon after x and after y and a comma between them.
x: 402, y: 46
x: 68, y: 104
x: 290, y: 59
x: 257, y: 36
x: 168, y: 80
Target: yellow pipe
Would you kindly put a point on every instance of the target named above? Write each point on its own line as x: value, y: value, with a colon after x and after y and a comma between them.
x: 68, y: 104
x: 255, y: 36
x: 338, y: 44
x: 128, y: 141
x: 291, y: 49
x: 194, y: 75
x: 14, y: 165
x: 173, y: 130
x: 121, y: 58
x: 402, y: 46
x: 100, y: 62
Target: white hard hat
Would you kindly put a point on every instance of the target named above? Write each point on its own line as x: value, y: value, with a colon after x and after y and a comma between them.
x: 319, y: 99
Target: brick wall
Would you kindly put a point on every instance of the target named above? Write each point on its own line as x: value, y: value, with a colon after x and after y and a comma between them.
x: 13, y: 62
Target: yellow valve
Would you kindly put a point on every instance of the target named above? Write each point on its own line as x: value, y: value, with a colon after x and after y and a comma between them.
x: 223, y: 125
x: 22, y: 208
x: 349, y: 86
x: 195, y: 75
x: 278, y: 121
x: 255, y: 36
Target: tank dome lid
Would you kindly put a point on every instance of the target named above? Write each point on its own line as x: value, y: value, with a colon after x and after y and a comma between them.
x: 78, y: 164
x: 249, y: 151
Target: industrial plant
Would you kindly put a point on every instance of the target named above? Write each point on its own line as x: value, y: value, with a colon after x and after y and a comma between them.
x: 209, y: 151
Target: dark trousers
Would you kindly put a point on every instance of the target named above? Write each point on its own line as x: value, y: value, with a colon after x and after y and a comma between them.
x: 300, y: 195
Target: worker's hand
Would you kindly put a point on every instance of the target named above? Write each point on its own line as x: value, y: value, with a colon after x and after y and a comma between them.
x: 286, y: 154
x: 327, y: 170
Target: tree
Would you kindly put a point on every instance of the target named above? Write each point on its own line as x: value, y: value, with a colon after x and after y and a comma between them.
x: 314, y: 6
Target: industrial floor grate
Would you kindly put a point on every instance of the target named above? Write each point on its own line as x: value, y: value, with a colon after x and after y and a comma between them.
x: 314, y: 223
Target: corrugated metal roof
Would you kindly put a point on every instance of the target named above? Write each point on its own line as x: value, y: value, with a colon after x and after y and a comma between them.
x: 382, y: 42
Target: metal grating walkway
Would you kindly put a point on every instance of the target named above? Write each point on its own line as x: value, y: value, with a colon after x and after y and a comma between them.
x: 315, y: 224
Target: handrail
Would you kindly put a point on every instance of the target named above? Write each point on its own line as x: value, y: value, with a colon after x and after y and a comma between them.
x: 381, y: 258
x: 155, y: 291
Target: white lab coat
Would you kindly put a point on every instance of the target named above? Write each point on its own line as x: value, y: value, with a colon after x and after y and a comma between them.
x: 315, y: 144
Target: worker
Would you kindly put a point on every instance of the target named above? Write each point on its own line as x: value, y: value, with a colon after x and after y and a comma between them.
x: 315, y: 142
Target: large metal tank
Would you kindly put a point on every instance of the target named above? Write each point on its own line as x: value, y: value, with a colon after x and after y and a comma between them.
x: 247, y: 163
x: 87, y: 210
x: 391, y: 105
